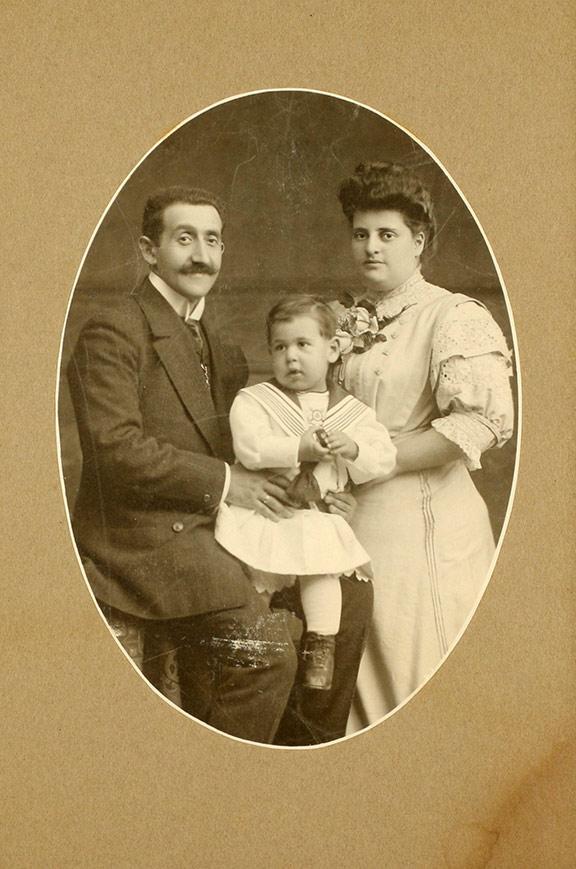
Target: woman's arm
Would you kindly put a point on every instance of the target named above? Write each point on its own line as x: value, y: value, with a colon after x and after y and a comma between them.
x: 470, y: 375
x: 426, y: 449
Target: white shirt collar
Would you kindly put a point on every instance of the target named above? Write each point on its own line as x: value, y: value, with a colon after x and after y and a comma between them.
x: 183, y: 307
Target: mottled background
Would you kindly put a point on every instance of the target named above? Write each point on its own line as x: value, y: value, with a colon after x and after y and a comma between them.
x: 276, y: 159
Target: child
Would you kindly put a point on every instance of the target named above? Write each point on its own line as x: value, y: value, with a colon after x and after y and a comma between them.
x: 318, y: 436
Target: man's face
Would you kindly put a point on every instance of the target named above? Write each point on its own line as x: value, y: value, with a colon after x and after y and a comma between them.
x: 189, y: 254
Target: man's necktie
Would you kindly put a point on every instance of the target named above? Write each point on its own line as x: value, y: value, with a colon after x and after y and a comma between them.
x: 196, y: 332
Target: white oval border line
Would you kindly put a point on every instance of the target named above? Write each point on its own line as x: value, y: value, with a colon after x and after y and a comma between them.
x: 518, y: 421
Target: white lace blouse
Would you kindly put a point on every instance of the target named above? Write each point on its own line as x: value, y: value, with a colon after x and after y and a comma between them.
x: 444, y: 364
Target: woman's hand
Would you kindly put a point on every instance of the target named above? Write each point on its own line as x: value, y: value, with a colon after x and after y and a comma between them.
x: 341, y: 504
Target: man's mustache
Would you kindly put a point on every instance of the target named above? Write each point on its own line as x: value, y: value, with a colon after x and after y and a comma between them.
x: 198, y: 269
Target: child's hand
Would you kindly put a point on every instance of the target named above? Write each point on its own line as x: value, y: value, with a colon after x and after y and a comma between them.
x: 340, y: 444
x: 310, y: 449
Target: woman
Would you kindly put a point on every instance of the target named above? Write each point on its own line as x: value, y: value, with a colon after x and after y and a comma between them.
x: 435, y: 367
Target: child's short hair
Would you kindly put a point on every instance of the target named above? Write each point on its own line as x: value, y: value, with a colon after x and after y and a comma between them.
x: 303, y: 305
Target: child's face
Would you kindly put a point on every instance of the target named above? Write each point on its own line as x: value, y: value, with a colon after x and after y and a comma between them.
x: 301, y: 355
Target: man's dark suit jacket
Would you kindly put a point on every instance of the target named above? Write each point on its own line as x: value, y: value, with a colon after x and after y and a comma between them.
x: 153, y: 440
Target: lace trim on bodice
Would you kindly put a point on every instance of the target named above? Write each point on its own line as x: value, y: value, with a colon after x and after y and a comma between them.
x: 414, y: 291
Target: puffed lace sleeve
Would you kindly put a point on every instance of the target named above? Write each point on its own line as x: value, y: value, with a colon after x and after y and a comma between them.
x: 470, y: 375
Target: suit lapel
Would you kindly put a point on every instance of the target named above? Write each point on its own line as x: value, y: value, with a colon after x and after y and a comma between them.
x: 174, y: 347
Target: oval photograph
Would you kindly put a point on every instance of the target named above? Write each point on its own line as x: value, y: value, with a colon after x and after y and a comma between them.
x: 287, y: 417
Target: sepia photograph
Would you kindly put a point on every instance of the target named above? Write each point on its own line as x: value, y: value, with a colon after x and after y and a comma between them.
x: 288, y: 417
x: 287, y: 570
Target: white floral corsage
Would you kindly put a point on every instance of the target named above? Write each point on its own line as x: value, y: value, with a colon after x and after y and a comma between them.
x: 358, y: 326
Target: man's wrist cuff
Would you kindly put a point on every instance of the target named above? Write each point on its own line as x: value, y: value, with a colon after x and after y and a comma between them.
x: 226, y: 488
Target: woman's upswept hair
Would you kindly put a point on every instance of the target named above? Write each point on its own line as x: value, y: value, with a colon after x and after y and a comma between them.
x: 302, y: 305
x: 390, y: 187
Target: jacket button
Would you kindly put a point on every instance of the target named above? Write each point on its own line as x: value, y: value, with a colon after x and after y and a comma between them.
x: 206, y: 499
x: 178, y: 526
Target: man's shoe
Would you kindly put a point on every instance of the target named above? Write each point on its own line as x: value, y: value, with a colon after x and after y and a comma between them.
x: 317, y: 656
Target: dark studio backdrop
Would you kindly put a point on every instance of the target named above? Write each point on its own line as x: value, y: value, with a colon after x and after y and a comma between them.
x: 276, y: 159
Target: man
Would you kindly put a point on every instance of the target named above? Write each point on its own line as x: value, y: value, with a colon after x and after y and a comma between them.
x: 152, y: 385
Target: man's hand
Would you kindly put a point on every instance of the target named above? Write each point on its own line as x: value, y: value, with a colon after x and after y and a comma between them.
x: 253, y: 490
x: 341, y: 503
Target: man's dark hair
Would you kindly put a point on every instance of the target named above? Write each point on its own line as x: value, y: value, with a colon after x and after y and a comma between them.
x: 153, y: 217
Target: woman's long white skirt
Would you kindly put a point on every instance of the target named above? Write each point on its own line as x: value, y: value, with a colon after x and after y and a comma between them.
x: 430, y: 542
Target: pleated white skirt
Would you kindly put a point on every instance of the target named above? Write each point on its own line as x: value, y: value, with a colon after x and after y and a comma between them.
x: 308, y: 543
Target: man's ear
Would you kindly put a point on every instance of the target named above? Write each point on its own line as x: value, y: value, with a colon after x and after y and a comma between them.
x: 147, y: 249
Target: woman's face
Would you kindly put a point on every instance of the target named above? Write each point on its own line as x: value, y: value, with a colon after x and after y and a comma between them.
x: 385, y: 249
